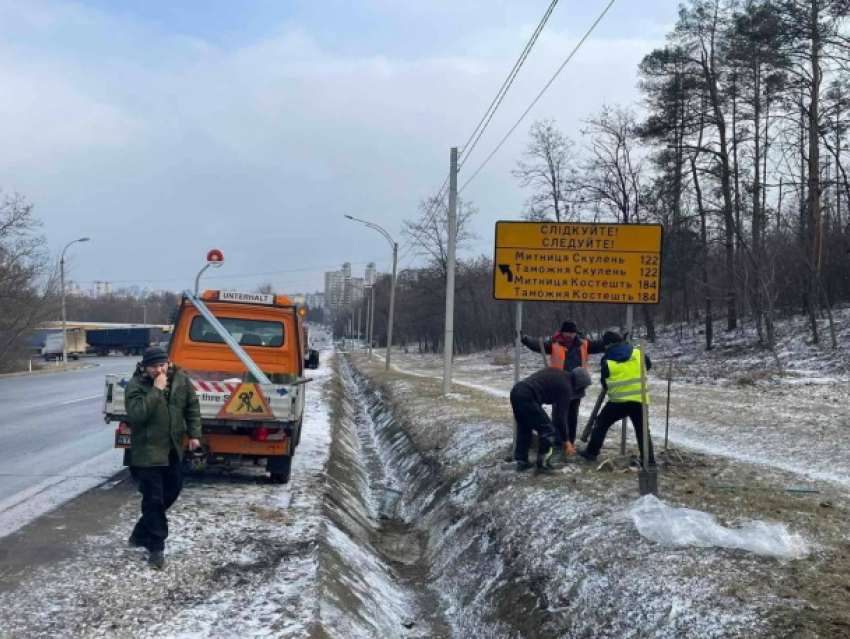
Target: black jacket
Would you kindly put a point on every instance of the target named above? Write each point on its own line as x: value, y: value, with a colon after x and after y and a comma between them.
x: 620, y: 353
x: 552, y: 386
x: 573, y: 354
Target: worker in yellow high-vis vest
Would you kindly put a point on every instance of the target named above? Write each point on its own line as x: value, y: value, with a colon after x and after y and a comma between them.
x: 621, y: 377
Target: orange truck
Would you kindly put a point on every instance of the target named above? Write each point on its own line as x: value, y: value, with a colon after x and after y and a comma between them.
x: 246, y: 355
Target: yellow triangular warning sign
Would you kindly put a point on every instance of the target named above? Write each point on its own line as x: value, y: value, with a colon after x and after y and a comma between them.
x: 246, y: 402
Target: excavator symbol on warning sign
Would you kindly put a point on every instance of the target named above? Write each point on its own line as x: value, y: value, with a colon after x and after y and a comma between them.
x: 506, y: 271
x: 247, y: 402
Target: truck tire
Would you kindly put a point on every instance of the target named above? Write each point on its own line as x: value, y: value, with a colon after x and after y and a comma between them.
x: 280, y: 468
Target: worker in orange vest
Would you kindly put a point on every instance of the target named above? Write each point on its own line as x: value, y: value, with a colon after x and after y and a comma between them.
x: 569, y: 350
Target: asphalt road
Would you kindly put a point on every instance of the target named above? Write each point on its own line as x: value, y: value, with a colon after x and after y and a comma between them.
x: 52, y: 422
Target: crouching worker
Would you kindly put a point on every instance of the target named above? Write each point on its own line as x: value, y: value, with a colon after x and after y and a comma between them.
x: 621, y: 378
x: 161, y: 407
x: 547, y: 386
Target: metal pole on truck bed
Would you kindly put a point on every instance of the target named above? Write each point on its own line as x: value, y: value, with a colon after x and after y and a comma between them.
x: 258, y: 374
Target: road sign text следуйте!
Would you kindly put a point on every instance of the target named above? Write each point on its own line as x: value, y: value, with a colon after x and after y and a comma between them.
x: 605, y: 263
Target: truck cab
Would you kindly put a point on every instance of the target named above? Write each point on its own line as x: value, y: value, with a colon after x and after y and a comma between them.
x: 243, y: 419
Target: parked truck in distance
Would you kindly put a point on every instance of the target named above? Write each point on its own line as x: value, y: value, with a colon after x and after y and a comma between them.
x: 52, y: 349
x: 127, y: 341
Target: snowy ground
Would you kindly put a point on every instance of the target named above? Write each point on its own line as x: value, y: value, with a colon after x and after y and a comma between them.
x: 241, y: 560
x: 769, y: 448
x: 730, y: 402
x: 473, y: 548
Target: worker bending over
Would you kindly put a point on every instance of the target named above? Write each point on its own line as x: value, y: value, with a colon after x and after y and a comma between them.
x: 547, y: 386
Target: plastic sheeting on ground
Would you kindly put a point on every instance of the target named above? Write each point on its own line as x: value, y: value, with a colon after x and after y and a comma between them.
x: 670, y: 526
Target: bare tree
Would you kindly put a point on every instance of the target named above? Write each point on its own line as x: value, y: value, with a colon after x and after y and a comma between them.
x: 429, y: 235
x: 546, y: 168
x: 27, y: 282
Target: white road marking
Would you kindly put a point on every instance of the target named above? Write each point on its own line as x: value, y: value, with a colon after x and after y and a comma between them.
x: 81, y: 399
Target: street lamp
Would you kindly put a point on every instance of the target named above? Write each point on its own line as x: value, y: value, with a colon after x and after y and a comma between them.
x: 144, y: 315
x: 394, y: 246
x: 62, y: 283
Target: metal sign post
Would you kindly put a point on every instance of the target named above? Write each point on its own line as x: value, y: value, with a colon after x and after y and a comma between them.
x: 630, y: 313
x: 647, y: 477
x: 518, y: 340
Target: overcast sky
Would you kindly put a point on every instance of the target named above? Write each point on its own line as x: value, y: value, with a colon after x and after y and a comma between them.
x: 162, y: 129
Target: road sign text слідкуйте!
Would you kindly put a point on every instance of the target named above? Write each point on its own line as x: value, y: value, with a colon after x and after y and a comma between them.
x: 563, y: 262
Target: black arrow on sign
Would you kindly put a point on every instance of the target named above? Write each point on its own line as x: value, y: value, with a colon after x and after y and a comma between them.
x: 506, y: 270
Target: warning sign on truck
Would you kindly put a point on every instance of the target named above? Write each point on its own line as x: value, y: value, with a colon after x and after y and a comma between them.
x: 565, y: 262
x: 246, y: 402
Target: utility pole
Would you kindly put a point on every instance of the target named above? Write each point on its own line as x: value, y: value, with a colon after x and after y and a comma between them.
x: 448, y: 340
x: 367, y: 298
x: 371, y: 320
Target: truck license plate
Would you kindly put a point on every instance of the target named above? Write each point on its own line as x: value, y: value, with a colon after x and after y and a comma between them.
x: 122, y: 440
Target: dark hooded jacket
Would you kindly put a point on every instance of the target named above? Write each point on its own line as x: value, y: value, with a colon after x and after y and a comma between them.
x: 619, y: 353
x: 554, y: 387
x: 161, y: 418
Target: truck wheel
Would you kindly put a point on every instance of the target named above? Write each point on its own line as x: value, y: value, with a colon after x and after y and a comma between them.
x: 282, y: 469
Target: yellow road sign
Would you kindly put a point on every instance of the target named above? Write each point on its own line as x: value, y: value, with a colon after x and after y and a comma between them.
x: 246, y: 402
x: 563, y: 262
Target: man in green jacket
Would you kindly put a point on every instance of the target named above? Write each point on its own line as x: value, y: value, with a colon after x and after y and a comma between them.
x: 162, y: 408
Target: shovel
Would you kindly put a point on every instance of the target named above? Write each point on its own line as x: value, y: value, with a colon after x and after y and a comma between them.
x: 647, y: 479
x: 585, y: 434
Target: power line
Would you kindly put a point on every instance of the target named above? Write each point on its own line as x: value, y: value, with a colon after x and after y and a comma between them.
x: 231, y: 276
x: 482, y: 126
x: 540, y: 95
x: 506, y: 85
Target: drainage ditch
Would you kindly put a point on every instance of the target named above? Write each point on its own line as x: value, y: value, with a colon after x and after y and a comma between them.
x: 408, y: 553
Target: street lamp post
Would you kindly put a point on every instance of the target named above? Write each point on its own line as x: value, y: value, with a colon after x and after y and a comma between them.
x: 62, y: 284
x: 394, y: 246
x: 144, y: 315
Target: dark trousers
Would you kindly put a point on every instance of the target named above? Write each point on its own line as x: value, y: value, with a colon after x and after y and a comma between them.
x: 569, y: 434
x: 160, y: 486
x: 530, y: 417
x: 611, y: 413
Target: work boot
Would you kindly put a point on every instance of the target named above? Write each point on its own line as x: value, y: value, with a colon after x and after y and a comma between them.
x: 522, y: 465
x: 569, y: 449
x: 156, y: 559
x: 587, y: 456
x: 543, y: 470
x: 135, y: 542
x: 544, y: 460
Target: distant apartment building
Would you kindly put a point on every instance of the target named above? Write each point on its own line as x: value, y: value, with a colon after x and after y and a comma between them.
x: 73, y: 289
x: 315, y: 300
x: 101, y: 289
x: 371, y: 274
x: 343, y: 292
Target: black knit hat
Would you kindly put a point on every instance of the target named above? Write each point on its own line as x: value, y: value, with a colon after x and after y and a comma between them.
x: 569, y: 327
x: 153, y: 356
x: 610, y: 338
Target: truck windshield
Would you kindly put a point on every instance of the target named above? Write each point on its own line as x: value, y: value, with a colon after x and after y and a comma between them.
x: 246, y: 332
